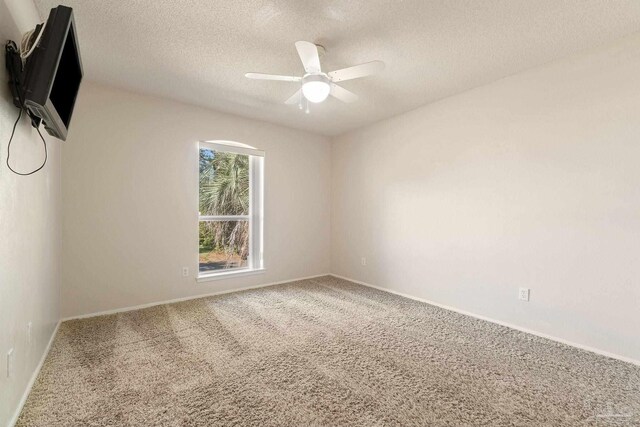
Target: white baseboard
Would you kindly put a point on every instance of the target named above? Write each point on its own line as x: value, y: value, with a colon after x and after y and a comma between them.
x: 153, y: 304
x: 499, y: 322
x: 32, y: 380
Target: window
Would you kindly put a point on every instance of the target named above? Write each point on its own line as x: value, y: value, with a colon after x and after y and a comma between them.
x: 230, y: 209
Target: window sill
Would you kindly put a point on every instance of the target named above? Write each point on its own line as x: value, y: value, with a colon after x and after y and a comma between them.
x: 229, y: 274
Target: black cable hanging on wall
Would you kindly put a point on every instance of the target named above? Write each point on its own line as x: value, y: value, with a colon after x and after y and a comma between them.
x: 44, y: 143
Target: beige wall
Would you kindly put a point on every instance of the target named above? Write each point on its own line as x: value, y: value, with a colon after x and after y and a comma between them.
x: 130, y: 173
x: 30, y: 238
x: 532, y: 181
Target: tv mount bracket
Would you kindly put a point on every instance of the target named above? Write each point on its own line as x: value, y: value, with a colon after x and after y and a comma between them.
x: 15, y: 69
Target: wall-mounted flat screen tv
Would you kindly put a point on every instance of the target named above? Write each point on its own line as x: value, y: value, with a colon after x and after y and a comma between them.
x: 53, y: 73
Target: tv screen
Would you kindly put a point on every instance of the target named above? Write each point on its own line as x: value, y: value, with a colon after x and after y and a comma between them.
x: 54, y: 72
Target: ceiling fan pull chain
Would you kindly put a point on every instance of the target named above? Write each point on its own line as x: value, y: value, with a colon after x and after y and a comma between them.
x: 301, y: 98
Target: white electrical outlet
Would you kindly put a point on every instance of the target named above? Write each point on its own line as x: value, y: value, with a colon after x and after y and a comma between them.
x: 523, y: 294
x: 185, y: 271
x: 29, y: 333
x: 10, y: 363
x: 363, y: 261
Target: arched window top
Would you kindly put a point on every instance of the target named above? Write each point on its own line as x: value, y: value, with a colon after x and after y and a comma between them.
x: 232, y: 147
x: 231, y: 143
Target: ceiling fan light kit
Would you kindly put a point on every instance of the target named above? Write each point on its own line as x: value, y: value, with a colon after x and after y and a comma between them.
x: 316, y: 85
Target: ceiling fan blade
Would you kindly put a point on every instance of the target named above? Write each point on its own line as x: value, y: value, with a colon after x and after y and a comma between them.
x: 356, y: 71
x: 342, y: 94
x: 309, y: 56
x: 261, y: 76
x: 295, y: 98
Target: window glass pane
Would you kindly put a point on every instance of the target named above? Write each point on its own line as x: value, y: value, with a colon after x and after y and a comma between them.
x: 223, y: 245
x: 224, y: 183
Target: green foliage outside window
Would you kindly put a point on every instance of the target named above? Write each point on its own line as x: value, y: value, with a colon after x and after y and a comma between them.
x: 224, y: 190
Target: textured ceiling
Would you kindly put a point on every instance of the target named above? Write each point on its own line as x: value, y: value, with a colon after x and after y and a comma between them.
x: 197, y: 51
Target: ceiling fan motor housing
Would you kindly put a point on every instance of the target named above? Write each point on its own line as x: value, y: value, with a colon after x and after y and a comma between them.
x: 319, y: 77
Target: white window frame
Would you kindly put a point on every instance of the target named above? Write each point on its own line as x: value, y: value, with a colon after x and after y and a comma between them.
x: 256, y: 211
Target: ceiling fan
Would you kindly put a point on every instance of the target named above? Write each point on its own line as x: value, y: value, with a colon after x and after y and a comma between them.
x: 316, y: 85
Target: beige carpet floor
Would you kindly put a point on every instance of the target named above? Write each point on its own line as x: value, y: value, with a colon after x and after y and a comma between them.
x: 320, y: 352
